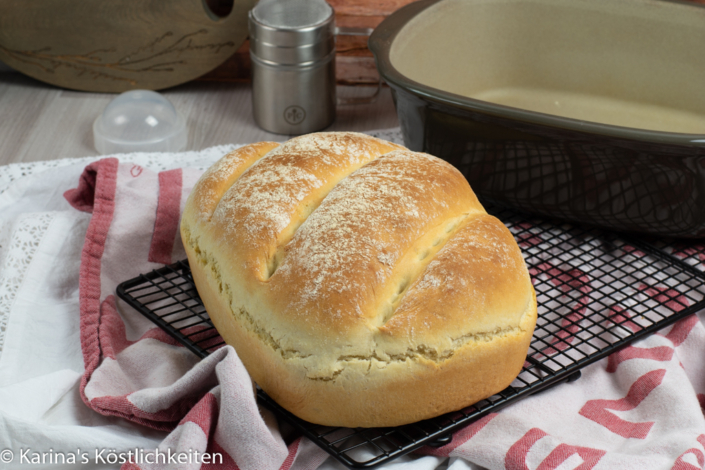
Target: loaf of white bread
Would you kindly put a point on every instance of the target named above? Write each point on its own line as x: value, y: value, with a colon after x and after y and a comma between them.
x: 361, y: 284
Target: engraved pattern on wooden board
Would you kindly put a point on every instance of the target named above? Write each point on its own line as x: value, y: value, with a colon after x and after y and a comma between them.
x: 118, y: 46
x: 162, y: 54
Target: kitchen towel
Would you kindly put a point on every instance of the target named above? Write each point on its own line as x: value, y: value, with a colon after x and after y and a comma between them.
x: 132, y: 368
x: 640, y: 408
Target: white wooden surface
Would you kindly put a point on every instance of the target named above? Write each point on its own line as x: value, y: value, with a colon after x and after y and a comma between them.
x: 42, y: 122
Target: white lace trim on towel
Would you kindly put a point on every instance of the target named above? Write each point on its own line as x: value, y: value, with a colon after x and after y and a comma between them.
x: 17, y: 248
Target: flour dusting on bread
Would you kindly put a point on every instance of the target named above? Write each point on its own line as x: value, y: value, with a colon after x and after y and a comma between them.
x: 360, y: 283
x: 351, y: 243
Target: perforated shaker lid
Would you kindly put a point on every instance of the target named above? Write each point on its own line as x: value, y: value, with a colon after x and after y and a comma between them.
x: 292, y: 14
x: 292, y: 31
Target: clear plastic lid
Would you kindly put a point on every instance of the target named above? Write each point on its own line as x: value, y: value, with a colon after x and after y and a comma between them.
x: 139, y: 121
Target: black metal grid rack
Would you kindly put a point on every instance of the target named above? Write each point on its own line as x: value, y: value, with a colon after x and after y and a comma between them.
x: 691, y: 252
x: 597, y: 292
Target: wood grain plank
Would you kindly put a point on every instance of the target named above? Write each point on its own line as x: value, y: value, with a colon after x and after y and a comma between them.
x: 42, y: 122
x: 367, y: 7
x: 22, y: 101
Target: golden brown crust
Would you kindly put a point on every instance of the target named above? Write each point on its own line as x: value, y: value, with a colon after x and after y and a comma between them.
x: 361, y: 284
x: 219, y: 177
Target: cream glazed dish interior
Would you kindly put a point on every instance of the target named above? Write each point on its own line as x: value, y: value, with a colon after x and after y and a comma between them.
x: 629, y: 63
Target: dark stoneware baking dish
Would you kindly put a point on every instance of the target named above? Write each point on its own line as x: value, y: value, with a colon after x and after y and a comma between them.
x: 586, y: 110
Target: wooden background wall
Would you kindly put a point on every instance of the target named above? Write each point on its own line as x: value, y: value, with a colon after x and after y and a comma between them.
x: 354, y: 62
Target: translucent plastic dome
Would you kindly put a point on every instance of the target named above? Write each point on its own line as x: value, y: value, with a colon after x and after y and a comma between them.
x: 139, y: 121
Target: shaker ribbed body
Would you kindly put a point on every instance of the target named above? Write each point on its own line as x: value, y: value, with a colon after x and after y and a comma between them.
x: 293, y: 66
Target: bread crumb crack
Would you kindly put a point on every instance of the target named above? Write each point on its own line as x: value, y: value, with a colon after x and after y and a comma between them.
x: 419, y: 352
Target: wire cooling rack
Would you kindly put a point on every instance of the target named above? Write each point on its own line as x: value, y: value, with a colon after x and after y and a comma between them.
x: 597, y: 292
x: 689, y: 251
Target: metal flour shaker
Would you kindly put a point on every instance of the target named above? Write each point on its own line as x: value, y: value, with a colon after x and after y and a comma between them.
x: 292, y: 47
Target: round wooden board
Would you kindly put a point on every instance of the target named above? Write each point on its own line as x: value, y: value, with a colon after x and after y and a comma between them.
x: 118, y: 45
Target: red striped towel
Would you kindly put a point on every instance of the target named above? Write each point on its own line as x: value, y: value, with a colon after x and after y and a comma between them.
x: 136, y: 371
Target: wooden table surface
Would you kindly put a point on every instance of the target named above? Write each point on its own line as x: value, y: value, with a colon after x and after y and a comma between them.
x: 42, y: 122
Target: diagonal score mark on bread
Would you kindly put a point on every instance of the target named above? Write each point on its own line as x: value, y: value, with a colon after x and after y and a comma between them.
x: 412, y: 264
x: 374, y: 279
x: 219, y: 177
x: 360, y: 248
x: 275, y: 195
x: 208, y: 192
